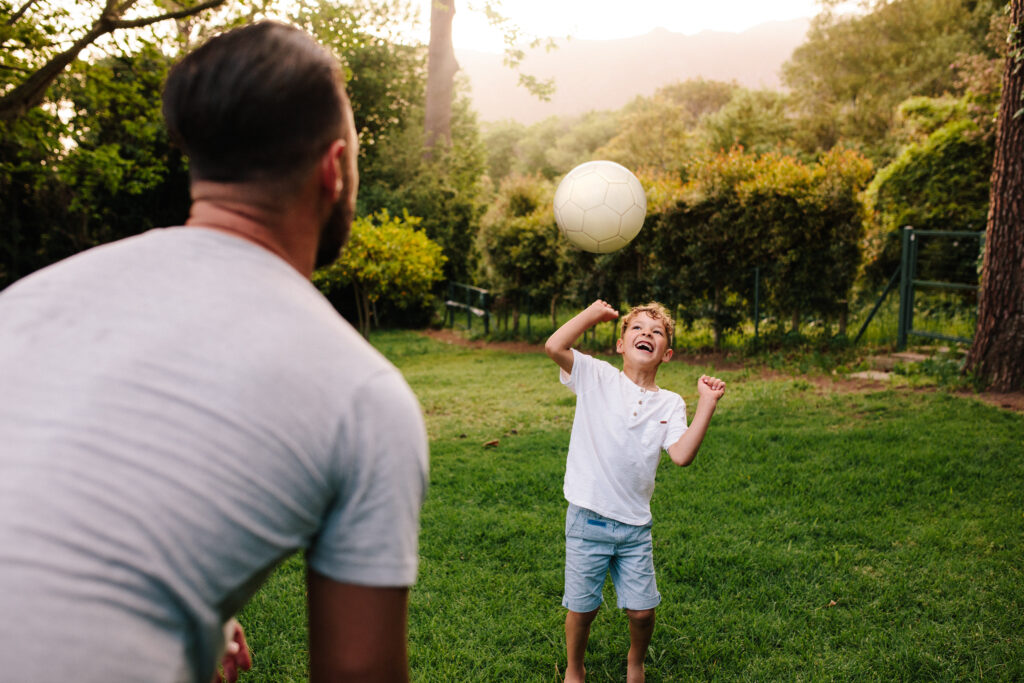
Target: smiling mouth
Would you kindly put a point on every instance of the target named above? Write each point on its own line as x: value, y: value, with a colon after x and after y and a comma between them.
x: 645, y: 346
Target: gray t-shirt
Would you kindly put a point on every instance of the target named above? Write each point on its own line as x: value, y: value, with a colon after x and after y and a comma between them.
x: 179, y: 411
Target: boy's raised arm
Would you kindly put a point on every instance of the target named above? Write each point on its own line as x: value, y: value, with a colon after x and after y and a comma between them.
x: 709, y: 390
x: 559, y: 344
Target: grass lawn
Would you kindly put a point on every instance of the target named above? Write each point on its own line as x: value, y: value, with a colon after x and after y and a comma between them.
x: 818, y: 536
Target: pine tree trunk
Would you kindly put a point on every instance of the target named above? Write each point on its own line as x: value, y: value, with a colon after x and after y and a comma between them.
x: 441, y: 69
x: 997, y: 353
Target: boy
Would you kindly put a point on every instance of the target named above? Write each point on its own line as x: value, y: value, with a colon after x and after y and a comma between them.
x: 622, y: 423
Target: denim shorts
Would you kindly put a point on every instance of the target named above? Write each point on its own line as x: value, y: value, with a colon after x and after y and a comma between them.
x: 596, y: 546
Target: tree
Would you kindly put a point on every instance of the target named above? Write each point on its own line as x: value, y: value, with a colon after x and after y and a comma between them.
x: 386, y: 257
x: 800, y: 224
x: 853, y: 70
x: 521, y: 249
x: 756, y: 120
x: 442, y: 65
x: 441, y: 70
x: 29, y: 34
x: 103, y: 170
x: 654, y: 134
x: 997, y: 353
x: 941, y: 183
x: 659, y: 132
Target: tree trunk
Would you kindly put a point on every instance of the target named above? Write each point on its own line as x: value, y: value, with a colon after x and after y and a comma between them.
x: 997, y: 353
x: 362, y: 310
x: 441, y: 69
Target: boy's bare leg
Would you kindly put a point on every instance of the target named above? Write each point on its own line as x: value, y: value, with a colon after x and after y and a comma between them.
x: 577, y: 633
x: 641, y: 626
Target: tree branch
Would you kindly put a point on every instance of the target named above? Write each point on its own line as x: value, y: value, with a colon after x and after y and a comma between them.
x: 180, y: 14
x: 32, y: 90
x: 20, y: 13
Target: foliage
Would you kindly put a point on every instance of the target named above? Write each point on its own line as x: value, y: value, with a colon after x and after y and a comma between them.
x: 43, y: 37
x: 659, y: 132
x: 99, y: 170
x: 551, y: 147
x: 444, y: 189
x: 653, y: 134
x: 853, y: 70
x: 941, y: 183
x: 756, y: 120
x: 801, y: 225
x: 387, y: 84
x: 522, y: 253
x: 386, y: 257
x: 93, y: 164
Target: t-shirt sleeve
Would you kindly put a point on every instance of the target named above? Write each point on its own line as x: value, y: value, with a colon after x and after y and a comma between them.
x: 586, y: 372
x: 370, y: 535
x: 676, y: 423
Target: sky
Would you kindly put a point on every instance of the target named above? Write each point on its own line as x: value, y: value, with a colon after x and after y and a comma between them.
x: 610, y: 19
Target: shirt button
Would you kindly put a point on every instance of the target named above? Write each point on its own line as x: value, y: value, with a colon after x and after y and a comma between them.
x: 634, y: 413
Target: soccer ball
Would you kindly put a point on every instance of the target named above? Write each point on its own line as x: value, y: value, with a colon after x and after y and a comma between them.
x: 600, y: 206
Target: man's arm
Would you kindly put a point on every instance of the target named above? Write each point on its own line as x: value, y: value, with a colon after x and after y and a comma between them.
x: 709, y: 390
x: 559, y: 344
x: 356, y: 633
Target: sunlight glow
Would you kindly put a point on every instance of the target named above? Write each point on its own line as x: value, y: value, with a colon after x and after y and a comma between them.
x: 611, y: 19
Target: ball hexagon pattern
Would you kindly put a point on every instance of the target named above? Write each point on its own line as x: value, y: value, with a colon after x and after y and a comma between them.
x: 600, y: 206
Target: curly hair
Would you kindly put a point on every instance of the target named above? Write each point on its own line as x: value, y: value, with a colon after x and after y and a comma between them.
x: 656, y: 311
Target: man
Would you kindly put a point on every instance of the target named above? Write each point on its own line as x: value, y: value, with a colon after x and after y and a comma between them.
x: 181, y: 410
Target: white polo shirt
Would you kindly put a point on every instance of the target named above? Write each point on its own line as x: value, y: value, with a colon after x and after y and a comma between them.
x: 617, y: 437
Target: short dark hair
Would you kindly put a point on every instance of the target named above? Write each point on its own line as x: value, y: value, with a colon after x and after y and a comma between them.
x: 258, y: 103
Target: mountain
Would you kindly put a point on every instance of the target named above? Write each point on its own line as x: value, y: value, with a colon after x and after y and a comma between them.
x: 606, y: 74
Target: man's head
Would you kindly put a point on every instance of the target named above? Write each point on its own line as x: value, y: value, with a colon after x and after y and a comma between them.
x: 261, y: 105
x: 646, y: 334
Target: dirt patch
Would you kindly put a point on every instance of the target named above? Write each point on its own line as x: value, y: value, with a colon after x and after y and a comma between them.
x: 1013, y: 401
x: 1009, y: 401
x: 448, y: 336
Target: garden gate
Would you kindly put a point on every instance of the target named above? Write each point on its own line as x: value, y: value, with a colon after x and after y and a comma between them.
x: 952, y: 265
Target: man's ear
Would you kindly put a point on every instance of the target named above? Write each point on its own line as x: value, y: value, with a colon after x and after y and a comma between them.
x: 667, y: 357
x: 618, y: 345
x: 331, y: 179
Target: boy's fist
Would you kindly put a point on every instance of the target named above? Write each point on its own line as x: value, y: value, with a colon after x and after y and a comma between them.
x: 602, y: 311
x: 710, y: 387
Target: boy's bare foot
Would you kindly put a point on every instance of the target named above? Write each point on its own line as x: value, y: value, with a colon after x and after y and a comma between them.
x: 575, y: 676
x: 635, y: 674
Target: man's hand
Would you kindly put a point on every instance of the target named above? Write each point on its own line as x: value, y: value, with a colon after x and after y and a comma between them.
x: 236, y: 657
x: 710, y: 387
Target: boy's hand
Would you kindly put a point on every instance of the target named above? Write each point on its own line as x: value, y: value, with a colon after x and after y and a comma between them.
x: 600, y: 311
x: 710, y: 387
x: 559, y: 344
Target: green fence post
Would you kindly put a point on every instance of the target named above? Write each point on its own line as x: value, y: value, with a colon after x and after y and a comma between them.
x: 757, y: 301
x: 906, y: 305
x: 485, y: 304
x: 529, y: 308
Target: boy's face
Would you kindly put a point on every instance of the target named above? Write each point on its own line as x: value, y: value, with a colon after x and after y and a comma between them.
x: 644, y: 342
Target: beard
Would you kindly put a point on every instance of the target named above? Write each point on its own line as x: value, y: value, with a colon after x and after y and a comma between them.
x: 334, y: 233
